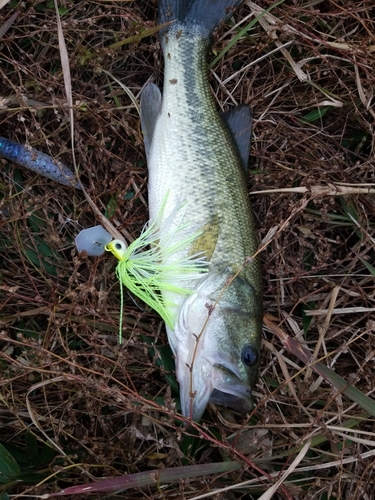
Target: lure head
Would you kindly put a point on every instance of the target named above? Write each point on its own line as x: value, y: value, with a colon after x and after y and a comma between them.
x: 117, y: 248
x: 216, y: 341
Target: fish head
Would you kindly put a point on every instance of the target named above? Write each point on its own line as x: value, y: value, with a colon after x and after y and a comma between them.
x: 216, y: 341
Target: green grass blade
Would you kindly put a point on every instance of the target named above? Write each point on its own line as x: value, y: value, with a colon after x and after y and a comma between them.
x: 368, y: 265
x: 149, y: 478
x: 297, y: 349
x: 351, y: 392
x: 242, y: 32
x: 322, y: 438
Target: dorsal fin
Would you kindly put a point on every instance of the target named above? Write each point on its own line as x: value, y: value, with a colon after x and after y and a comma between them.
x: 239, y: 120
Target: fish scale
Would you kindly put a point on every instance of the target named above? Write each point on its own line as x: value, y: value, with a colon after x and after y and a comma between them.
x: 210, y: 173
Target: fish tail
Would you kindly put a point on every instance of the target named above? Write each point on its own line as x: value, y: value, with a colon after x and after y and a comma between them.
x: 208, y: 14
x: 38, y: 162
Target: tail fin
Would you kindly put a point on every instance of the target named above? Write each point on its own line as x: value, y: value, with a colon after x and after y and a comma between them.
x: 207, y: 13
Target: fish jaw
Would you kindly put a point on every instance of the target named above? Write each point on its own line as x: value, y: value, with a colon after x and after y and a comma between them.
x: 209, y: 382
x: 214, y: 325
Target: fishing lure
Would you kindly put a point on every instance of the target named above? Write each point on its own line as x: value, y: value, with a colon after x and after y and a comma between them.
x: 38, y: 162
x: 93, y: 240
x: 148, y: 273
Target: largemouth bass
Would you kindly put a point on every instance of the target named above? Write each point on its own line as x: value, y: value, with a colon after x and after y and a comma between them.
x: 199, y: 158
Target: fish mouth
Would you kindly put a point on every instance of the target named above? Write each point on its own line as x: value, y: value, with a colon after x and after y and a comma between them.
x: 209, y: 364
x: 217, y: 384
x: 231, y: 391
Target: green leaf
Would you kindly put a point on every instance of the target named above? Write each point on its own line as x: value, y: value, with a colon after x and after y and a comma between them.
x: 352, y: 215
x: 43, y: 248
x: 359, y: 140
x: 47, y: 6
x: 19, y: 454
x: 189, y: 446
x: 349, y: 209
x: 316, y: 114
x: 368, y: 265
x: 306, y: 320
x: 47, y: 455
x: 111, y: 207
x: 9, y: 468
x: 129, y: 195
x: 44, y: 257
x: 18, y: 180
x: 36, y: 222
x: 5, y: 243
x: 33, y: 257
x: 32, y: 448
x: 164, y: 359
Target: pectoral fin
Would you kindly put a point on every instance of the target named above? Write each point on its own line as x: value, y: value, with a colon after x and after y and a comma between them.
x: 239, y: 121
x: 150, y: 108
x: 206, y: 242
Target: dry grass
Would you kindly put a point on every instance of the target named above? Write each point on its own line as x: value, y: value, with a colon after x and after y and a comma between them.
x: 76, y: 405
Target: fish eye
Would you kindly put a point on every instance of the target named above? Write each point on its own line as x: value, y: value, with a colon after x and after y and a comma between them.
x: 118, y: 246
x: 249, y: 356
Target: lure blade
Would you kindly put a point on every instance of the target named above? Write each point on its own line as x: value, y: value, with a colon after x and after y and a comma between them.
x: 93, y: 240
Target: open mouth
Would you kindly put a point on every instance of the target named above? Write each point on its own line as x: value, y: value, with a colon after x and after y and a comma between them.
x: 242, y: 403
x: 230, y: 390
